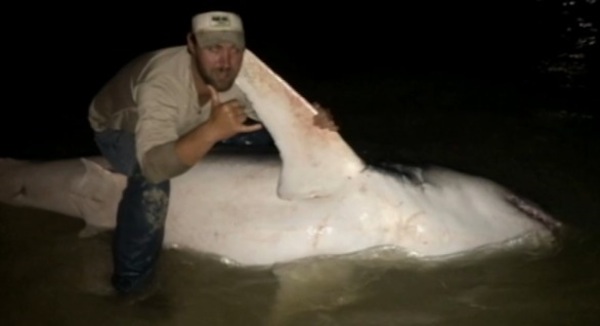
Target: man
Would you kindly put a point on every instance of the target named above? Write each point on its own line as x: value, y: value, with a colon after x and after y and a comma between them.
x: 158, y: 116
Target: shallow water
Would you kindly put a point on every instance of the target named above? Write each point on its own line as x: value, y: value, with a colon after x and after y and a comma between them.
x: 49, y: 276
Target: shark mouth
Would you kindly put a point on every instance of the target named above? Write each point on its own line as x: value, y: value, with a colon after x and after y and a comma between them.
x: 535, y: 212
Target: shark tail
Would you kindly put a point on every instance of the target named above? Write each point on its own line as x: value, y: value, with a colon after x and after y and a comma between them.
x: 9, y: 187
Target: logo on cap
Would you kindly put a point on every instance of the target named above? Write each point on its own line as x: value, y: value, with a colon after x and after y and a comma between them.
x: 220, y: 21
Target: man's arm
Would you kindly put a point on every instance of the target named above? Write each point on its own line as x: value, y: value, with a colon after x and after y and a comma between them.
x: 156, y: 131
x: 226, y: 120
x: 166, y: 160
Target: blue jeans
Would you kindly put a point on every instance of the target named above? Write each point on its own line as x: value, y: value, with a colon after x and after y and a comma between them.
x: 142, y: 211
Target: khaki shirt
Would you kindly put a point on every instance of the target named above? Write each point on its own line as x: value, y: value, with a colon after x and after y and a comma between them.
x: 155, y: 98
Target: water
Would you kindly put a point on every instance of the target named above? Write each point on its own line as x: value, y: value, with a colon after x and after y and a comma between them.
x: 50, y: 277
x: 543, y: 149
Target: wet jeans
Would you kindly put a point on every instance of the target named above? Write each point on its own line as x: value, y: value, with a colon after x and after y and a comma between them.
x: 142, y: 212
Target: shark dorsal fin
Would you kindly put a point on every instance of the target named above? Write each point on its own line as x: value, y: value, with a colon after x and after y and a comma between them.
x: 316, y: 162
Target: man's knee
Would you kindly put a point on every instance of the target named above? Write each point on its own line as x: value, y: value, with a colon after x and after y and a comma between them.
x: 151, y: 199
x: 155, y: 200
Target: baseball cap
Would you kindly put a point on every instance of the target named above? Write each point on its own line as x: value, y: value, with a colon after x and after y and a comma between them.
x: 218, y: 26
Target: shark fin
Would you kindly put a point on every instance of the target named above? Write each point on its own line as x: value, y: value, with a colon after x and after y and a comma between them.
x: 316, y: 162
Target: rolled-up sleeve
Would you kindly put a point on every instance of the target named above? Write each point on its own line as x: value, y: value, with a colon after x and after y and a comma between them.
x: 156, y: 129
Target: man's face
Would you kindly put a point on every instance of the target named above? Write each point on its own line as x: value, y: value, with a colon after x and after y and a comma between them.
x: 219, y: 64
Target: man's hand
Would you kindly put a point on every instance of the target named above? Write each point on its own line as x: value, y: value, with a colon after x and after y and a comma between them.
x: 323, y: 119
x: 227, y: 118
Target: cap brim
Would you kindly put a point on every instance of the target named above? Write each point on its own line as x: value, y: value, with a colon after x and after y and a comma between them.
x: 210, y: 38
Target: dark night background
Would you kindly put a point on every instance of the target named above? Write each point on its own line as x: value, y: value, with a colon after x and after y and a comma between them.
x: 58, y: 56
x: 504, y: 89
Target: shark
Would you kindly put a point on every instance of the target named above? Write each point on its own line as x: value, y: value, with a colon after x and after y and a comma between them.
x: 314, y: 197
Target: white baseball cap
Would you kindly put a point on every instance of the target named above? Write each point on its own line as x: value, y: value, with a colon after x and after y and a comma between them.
x: 218, y: 26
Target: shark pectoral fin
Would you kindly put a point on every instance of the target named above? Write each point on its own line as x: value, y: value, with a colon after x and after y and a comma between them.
x: 316, y: 162
x: 94, y: 195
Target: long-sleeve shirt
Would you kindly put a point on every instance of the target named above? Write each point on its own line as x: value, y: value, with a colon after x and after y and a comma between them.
x: 155, y: 98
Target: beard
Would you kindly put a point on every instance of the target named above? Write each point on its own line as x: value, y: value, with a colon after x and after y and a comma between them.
x: 220, y: 78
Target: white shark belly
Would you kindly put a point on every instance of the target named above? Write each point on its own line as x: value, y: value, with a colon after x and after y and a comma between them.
x: 228, y: 206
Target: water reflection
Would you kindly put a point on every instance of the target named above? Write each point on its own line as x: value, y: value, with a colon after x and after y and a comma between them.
x: 572, y: 62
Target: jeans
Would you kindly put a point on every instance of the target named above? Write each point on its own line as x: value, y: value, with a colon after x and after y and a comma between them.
x: 143, y: 208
